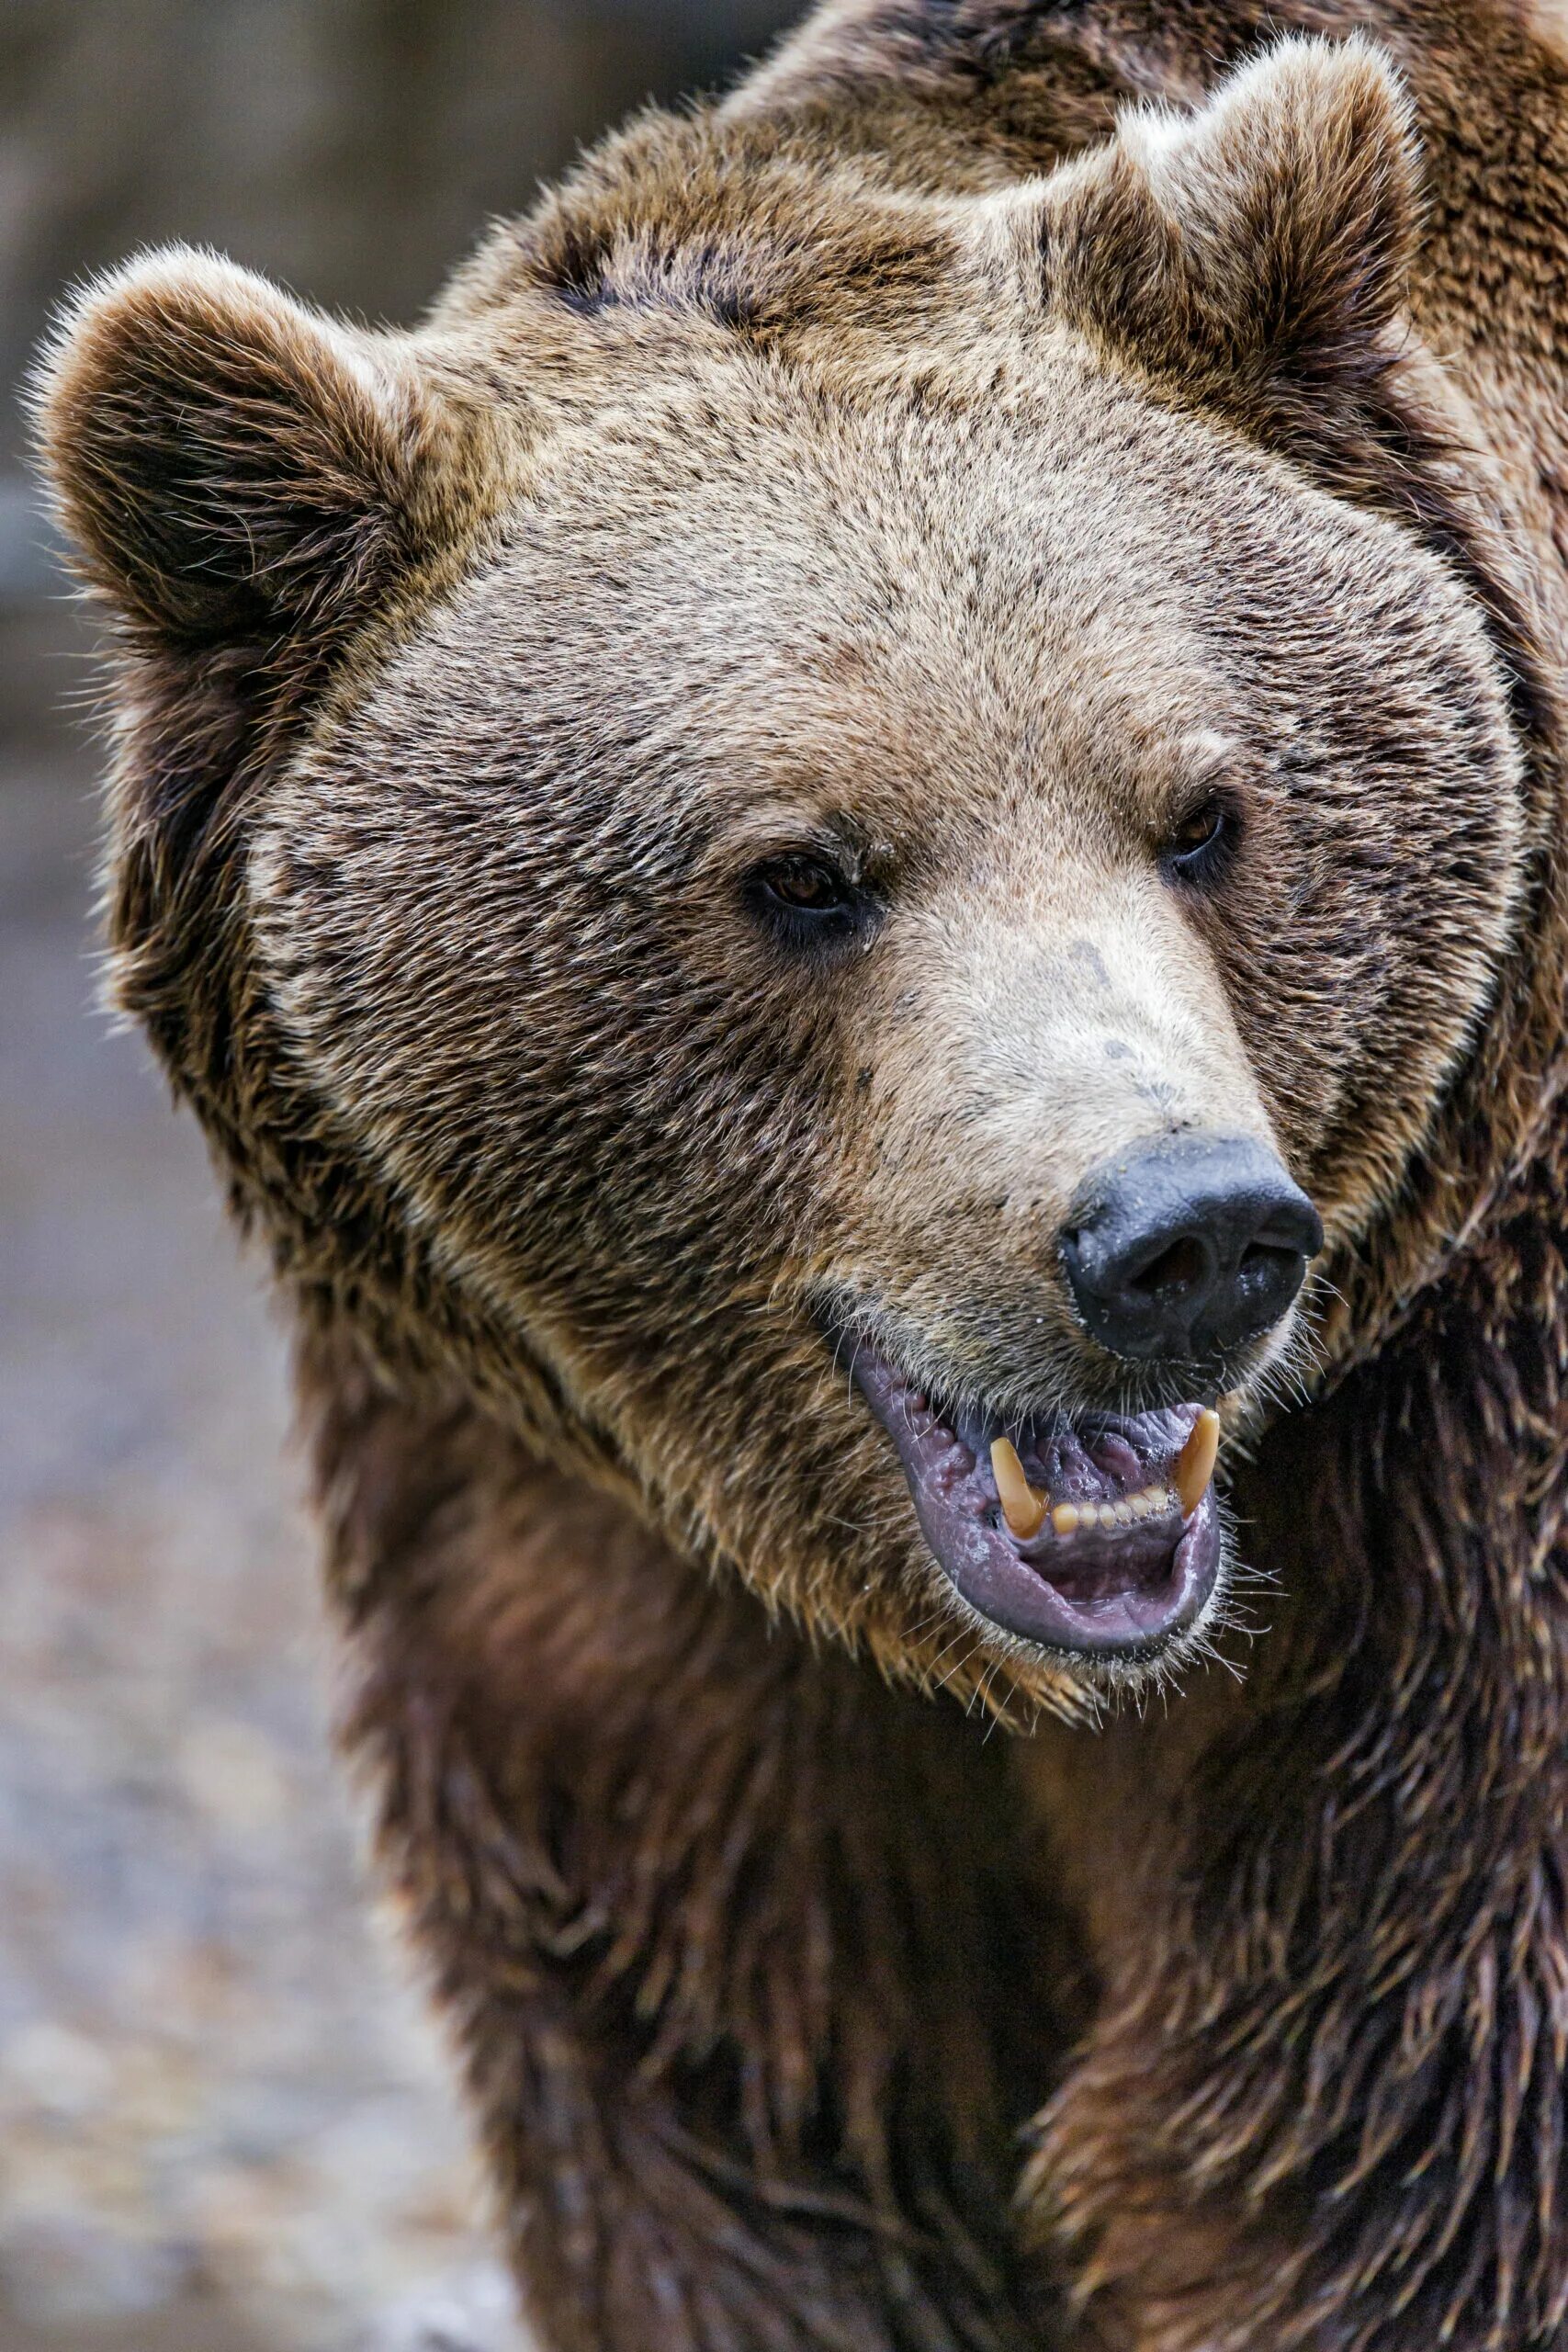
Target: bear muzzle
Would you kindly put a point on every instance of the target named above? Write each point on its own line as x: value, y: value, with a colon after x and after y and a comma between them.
x: 1092, y: 1532
x: 1097, y: 1536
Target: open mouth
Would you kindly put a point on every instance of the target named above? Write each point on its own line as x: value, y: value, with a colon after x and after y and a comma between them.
x: 1097, y: 1536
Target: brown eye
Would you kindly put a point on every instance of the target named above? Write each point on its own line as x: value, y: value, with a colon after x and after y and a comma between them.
x: 806, y: 882
x: 1197, y: 845
x: 806, y: 899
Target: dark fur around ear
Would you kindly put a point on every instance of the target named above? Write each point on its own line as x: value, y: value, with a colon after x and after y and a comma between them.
x: 1258, y: 246
x: 228, y: 462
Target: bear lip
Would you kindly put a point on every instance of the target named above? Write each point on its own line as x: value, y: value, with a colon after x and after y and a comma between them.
x: 1122, y: 1591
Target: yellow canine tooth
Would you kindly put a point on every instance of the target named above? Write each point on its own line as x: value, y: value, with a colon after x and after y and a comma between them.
x: 1195, y: 1462
x: 1024, y: 1506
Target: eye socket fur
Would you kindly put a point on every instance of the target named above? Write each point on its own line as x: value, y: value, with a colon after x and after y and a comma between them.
x: 1197, y: 849
x: 806, y: 899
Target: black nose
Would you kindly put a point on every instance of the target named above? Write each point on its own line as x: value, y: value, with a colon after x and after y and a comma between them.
x: 1189, y: 1248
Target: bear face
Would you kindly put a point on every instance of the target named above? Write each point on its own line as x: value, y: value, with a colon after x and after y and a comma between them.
x: 736, y: 839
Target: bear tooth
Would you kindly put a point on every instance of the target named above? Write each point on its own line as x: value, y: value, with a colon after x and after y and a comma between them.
x: 1024, y: 1506
x: 1195, y: 1462
x: 1065, y: 1518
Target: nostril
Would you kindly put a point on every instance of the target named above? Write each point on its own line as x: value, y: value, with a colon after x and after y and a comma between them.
x: 1182, y: 1267
x: 1265, y: 1264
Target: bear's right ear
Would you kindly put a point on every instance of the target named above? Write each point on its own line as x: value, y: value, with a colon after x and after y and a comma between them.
x: 229, y: 464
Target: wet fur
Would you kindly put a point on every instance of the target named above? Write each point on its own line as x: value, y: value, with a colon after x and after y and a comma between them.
x: 758, y: 1965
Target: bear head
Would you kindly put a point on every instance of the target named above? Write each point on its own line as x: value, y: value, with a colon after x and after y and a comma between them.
x: 838, y: 842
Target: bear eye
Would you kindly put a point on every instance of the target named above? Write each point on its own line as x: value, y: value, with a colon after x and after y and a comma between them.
x: 807, y: 898
x: 806, y: 882
x: 1198, y: 845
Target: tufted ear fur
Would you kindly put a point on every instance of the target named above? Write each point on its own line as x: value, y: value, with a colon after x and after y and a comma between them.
x: 1256, y: 250
x: 228, y: 462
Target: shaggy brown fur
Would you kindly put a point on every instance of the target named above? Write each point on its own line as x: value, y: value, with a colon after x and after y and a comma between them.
x: 929, y: 459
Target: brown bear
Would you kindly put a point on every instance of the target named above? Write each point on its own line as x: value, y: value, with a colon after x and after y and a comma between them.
x: 871, y: 849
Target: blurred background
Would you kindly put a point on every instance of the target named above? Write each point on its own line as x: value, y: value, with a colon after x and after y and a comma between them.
x: 223, y: 2127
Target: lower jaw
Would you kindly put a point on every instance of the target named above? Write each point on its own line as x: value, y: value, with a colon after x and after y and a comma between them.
x: 1120, y: 1592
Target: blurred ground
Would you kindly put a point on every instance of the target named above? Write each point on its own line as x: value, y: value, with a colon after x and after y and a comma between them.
x: 213, y: 2092
x: 222, y: 2124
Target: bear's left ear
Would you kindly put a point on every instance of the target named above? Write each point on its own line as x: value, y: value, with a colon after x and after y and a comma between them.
x: 1257, y: 246
x: 229, y: 464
